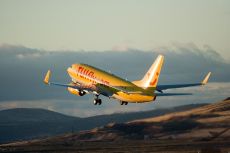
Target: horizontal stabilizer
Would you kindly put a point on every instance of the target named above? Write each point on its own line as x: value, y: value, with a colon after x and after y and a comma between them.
x: 164, y: 87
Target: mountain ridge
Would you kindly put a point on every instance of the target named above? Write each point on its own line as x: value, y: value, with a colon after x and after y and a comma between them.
x: 30, y: 123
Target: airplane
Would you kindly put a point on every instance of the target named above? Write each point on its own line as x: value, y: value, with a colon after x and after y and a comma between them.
x: 88, y: 79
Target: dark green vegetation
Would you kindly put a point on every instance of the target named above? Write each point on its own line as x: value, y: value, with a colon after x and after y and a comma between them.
x: 28, y: 123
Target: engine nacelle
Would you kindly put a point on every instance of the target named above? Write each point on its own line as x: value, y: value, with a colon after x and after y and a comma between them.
x: 76, y: 91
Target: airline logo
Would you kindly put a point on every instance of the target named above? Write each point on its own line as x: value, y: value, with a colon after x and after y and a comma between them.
x: 84, y: 72
x: 153, y: 73
x: 155, y: 80
x: 88, y: 74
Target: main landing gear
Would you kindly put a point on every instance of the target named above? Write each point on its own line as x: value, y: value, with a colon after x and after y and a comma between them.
x: 97, y: 100
x: 123, y: 103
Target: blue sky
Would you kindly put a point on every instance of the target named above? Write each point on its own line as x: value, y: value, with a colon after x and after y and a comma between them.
x: 118, y: 24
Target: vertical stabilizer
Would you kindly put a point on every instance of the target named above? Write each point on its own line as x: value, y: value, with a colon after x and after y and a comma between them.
x: 151, y: 77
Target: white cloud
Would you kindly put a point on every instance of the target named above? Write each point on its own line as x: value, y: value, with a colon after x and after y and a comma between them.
x: 73, y: 107
x: 29, y: 55
x: 45, y: 104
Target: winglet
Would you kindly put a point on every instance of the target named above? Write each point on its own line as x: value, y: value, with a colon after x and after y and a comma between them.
x: 205, y: 81
x: 47, y: 77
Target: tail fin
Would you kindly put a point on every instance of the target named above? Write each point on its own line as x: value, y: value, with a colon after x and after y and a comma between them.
x: 205, y: 81
x: 151, y: 77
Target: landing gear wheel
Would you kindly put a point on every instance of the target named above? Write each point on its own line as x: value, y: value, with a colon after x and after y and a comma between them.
x: 123, y: 103
x: 97, y: 101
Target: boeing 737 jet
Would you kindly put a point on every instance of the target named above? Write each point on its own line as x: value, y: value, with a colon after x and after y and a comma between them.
x: 88, y: 79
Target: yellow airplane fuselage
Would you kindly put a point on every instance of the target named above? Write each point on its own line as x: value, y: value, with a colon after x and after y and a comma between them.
x: 95, y: 78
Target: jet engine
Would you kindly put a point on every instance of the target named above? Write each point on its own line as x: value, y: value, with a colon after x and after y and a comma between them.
x: 76, y: 91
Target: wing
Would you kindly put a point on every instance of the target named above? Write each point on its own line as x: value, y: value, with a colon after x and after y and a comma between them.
x: 47, y: 78
x: 164, y: 87
x: 124, y: 89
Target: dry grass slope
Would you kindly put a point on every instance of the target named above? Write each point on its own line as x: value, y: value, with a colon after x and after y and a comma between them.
x: 204, y: 129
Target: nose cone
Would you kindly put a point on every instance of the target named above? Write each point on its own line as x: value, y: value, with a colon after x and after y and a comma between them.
x: 71, y: 70
x: 75, y: 66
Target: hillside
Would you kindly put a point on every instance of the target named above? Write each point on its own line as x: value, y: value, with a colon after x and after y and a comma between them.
x: 32, y: 115
x: 29, y: 123
x: 205, y: 129
x: 205, y: 122
x: 213, y: 113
